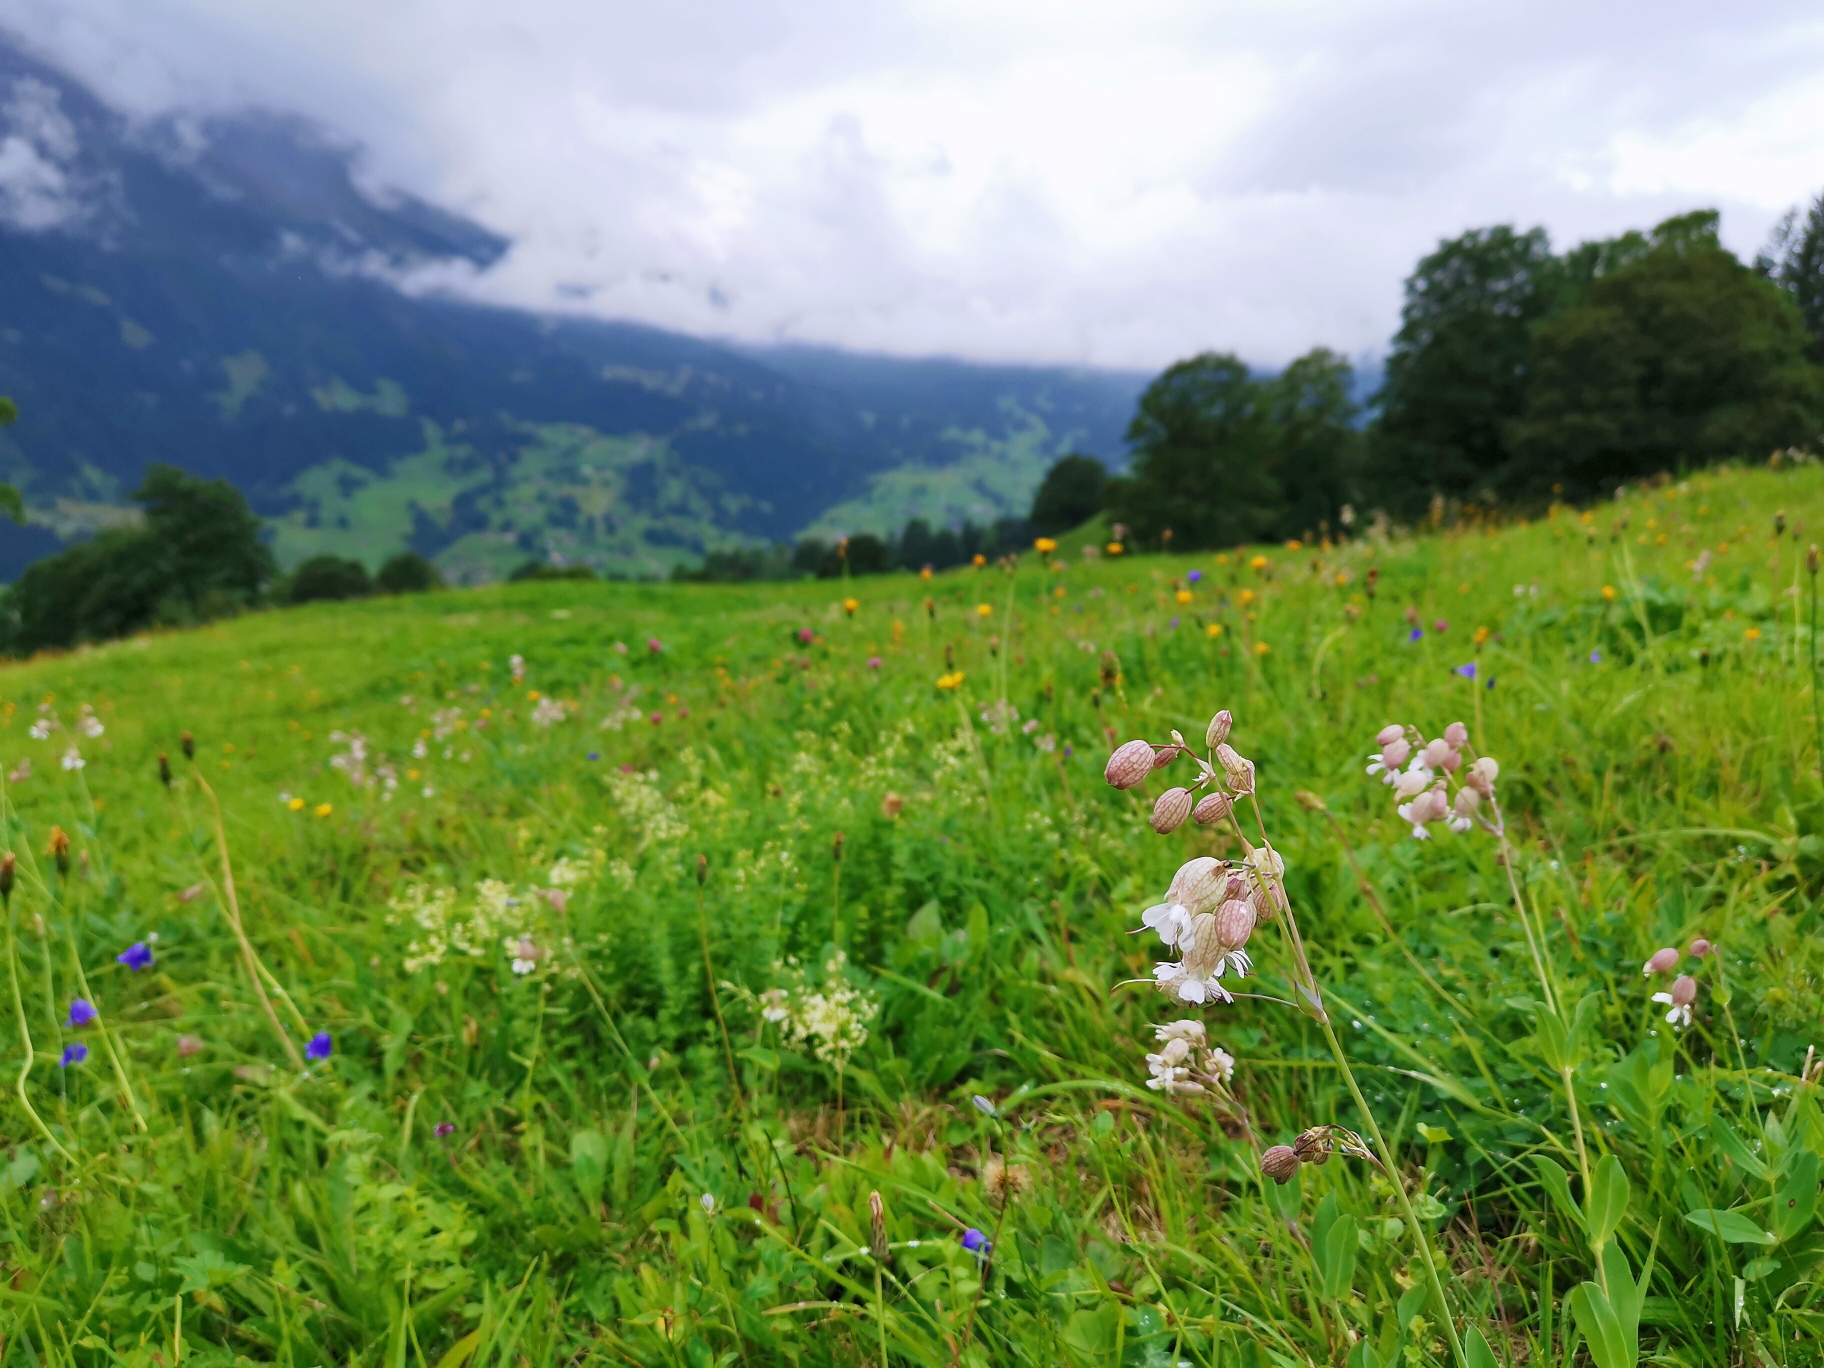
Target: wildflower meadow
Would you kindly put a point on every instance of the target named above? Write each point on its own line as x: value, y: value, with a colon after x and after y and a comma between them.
x: 1396, y: 951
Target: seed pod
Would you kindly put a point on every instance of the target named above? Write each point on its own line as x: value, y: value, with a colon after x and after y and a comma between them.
x: 1684, y: 991
x: 877, y: 1227
x: 1388, y: 734
x: 187, y: 743
x: 1663, y: 961
x: 1234, y: 924
x: 8, y: 871
x: 164, y: 770
x: 1169, y: 812
x: 1129, y: 765
x: 1279, y: 1163
x: 1199, y: 885
x: 1213, y: 808
x: 1219, y: 729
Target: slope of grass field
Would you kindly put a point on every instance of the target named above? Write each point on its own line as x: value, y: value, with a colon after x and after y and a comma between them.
x: 607, y: 946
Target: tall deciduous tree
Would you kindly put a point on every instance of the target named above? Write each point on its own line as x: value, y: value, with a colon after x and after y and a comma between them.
x: 1070, y: 494
x: 1678, y: 356
x: 1794, y: 260
x: 1457, y: 374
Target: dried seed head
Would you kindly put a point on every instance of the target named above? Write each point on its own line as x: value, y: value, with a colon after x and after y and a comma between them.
x: 836, y: 849
x: 1663, y: 961
x: 1219, y: 729
x: 1169, y: 812
x: 164, y: 770
x: 1684, y: 991
x: 877, y: 1226
x: 187, y: 743
x: 1312, y: 1146
x: 59, y: 849
x: 1700, y: 947
x: 891, y: 805
x: 1457, y: 735
x: 1811, y: 560
x: 1388, y: 734
x: 1129, y: 765
x: 702, y: 871
x: 1279, y: 1163
x: 8, y: 872
x: 1234, y: 924
x: 1213, y: 808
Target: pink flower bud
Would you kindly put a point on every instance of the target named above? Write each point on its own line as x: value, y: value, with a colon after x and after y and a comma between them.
x: 1700, y: 947
x: 1663, y: 962
x: 1130, y: 764
x: 1453, y: 762
x: 1435, y: 803
x: 1684, y: 991
x: 1437, y: 752
x: 1234, y: 924
x: 1169, y: 812
x: 1388, y: 734
x: 1396, y: 752
x: 1457, y: 734
x: 1219, y: 729
x: 1240, y: 771
x: 1212, y: 809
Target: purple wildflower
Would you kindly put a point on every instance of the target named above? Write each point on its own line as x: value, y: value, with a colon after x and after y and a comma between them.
x: 136, y: 956
x: 1174, y: 623
x: 595, y: 755
x: 73, y: 1054
x: 82, y: 1012
x: 320, y: 1047
x: 1416, y: 634
x: 976, y: 1243
x: 1595, y: 657
x: 444, y: 1128
x: 1466, y: 671
x: 1194, y: 576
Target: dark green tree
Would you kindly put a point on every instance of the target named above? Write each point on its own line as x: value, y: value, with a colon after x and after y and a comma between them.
x: 1204, y: 451
x: 1794, y: 260
x: 1069, y: 495
x: 1319, y: 445
x: 407, y: 573
x: 329, y: 578
x: 12, y: 502
x: 1679, y: 356
x: 1457, y: 373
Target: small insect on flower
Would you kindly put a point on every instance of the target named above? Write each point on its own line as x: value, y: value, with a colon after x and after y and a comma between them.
x: 321, y: 1047
x: 136, y: 956
x: 73, y: 1054
x: 82, y: 1012
x: 1683, y: 994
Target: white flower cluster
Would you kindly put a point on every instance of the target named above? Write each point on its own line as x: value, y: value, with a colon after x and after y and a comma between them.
x: 549, y: 712
x: 46, y: 724
x: 832, y: 1018
x: 1430, y: 768
x: 353, y: 762
x: 87, y: 723
x: 1186, y: 1062
x: 518, y: 923
x: 647, y: 810
x: 1210, y: 910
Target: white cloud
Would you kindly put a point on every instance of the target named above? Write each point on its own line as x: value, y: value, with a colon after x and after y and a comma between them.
x: 37, y: 141
x: 1070, y: 181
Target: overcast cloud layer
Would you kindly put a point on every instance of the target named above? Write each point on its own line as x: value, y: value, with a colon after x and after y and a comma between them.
x: 1030, y: 180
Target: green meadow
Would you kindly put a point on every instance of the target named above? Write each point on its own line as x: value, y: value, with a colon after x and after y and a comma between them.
x: 708, y: 975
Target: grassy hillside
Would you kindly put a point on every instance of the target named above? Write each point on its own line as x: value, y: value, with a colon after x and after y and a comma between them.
x: 638, y: 974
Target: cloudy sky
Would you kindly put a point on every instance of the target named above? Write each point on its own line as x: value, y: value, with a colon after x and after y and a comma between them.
x: 1112, y: 184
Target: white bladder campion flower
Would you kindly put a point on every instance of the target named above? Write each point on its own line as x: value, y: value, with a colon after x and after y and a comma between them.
x: 1435, y: 784
x: 1683, y: 994
x: 1186, y: 1063
x: 1197, y: 887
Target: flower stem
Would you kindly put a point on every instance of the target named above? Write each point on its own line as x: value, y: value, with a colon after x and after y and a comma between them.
x: 25, y: 1037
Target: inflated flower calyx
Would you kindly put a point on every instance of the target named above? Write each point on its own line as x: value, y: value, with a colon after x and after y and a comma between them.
x: 1456, y: 735
x: 1388, y: 734
x: 1663, y: 961
x: 1212, y: 809
x: 1684, y: 991
x: 1169, y: 812
x: 1700, y: 947
x: 1199, y: 884
x: 1129, y: 765
x: 1280, y: 1164
x: 1234, y: 923
x: 1219, y: 729
x: 1240, y: 771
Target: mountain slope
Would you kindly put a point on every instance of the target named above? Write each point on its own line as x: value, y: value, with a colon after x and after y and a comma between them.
x: 221, y: 295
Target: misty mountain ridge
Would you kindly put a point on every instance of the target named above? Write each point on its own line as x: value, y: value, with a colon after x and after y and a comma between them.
x: 220, y: 293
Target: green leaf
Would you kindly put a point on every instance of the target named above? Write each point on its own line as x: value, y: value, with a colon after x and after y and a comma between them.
x: 1610, y: 1345
x: 759, y: 1054
x: 1580, y: 1023
x: 1607, y: 1201
x: 1476, y: 1350
x: 1412, y: 1301
x: 1558, y: 1183
x: 589, y: 1164
x: 1549, y: 1035
x: 1756, y: 1269
x: 1730, y: 1226
x: 12, y: 503
x: 1797, y: 1199
x: 1737, y: 1150
x: 1339, y: 1257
